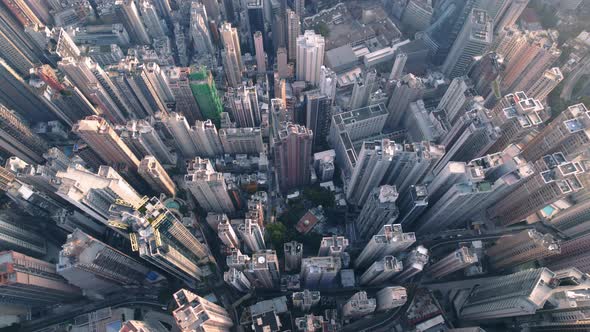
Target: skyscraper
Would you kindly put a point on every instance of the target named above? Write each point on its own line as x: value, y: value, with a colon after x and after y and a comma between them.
x: 208, y: 187
x: 398, y: 66
x: 243, y: 103
x: 412, y: 205
x: 237, y: 279
x: 293, y: 255
x: 151, y: 19
x: 381, y: 271
x: 205, y: 92
x: 555, y: 179
x: 310, y: 57
x: 143, y: 140
x: 128, y: 13
x: 541, y: 88
x: 231, y: 40
x: 567, y: 133
x: 457, y: 98
x: 389, y: 241
x: 179, y: 83
x: 293, y: 32
x: 372, y: 164
x: 260, y: 55
x: 231, y: 67
x: 362, y: 89
x: 508, y: 14
x: 263, y: 269
x: 32, y: 282
x: 241, y: 140
x: 333, y: 246
x: 417, y: 15
x: 97, y: 267
x: 474, y: 38
x: 195, y: 313
x: 293, y: 155
x: 379, y: 209
x: 252, y: 235
x: 517, y: 116
x: 391, y: 297
x: 414, y: 263
x: 305, y: 300
x: 517, y: 294
x: 94, y: 193
x: 455, y: 261
x: 156, y: 176
x: 318, y: 115
x: 406, y: 90
x: 15, y: 234
x: 328, y: 81
x: 199, y: 29
x: 521, y: 248
x: 320, y: 272
x: 18, y: 139
x: 165, y: 242
x: 359, y: 305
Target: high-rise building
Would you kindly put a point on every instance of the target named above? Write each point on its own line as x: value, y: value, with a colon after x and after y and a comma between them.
x: 231, y: 67
x: 310, y: 57
x: 379, y: 209
x: 195, y: 313
x: 555, y: 179
x: 142, y: 326
x: 541, y: 88
x: 397, y: 69
x: 164, y: 242
x: 18, y: 139
x: 231, y: 40
x: 241, y: 140
x: 208, y: 187
x: 103, y: 139
x: 94, y: 193
x: 156, y: 176
x: 517, y: 294
x: 457, y: 98
x: 199, y: 29
x: 508, y: 14
x: 417, y: 15
x: 391, y: 297
x: 372, y: 164
x: 469, y: 138
x: 320, y: 272
x: 293, y: 155
x: 16, y: 235
x: 293, y: 32
x: 97, y: 267
x: 362, y: 89
x: 413, y: 163
x: 183, y: 135
x: 259, y: 50
x: 485, y: 74
x: 18, y: 95
x: 333, y: 246
x: 389, y: 241
x: 282, y: 67
x: 318, y: 115
x: 237, y: 279
x: 227, y: 234
x: 19, y: 50
x: 521, y: 248
x: 359, y: 305
x: 455, y: 261
x: 305, y: 300
x: 412, y: 205
x: 405, y: 91
x: 263, y: 269
x: 258, y: 13
x: 517, y: 116
x: 32, y: 282
x: 323, y: 163
x: 533, y: 53
x: 144, y: 140
x: 237, y: 260
x: 414, y: 263
x: 128, y: 13
x: 293, y: 255
x: 381, y: 271
x: 205, y: 92
x: 151, y: 19
x: 243, y: 104
x: 179, y: 83
x: 573, y: 253
x: 567, y: 133
x: 328, y: 82
x: 474, y: 38
x: 252, y: 235
x: 207, y: 139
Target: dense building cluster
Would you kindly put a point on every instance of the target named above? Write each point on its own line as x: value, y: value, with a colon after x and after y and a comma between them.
x: 316, y: 166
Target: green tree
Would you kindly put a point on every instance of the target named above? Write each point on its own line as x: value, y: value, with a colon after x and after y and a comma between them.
x: 276, y: 233
x: 323, y: 29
